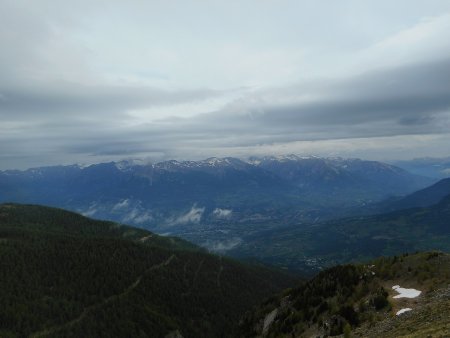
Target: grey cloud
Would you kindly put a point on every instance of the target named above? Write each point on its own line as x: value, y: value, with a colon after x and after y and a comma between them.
x: 222, y: 213
x: 395, y: 95
x: 368, y: 105
x: 412, y: 100
x: 192, y: 216
x: 56, y: 104
x: 71, y: 101
x: 223, y: 246
x: 47, y: 77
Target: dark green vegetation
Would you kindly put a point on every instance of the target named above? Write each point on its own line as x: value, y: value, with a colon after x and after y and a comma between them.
x: 311, y: 247
x: 359, y: 298
x: 64, y: 275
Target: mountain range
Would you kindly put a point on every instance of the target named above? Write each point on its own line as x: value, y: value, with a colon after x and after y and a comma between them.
x: 190, y: 196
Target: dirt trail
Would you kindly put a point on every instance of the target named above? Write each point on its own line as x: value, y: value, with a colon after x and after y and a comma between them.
x: 219, y: 273
x: 197, y: 272
x: 105, y: 301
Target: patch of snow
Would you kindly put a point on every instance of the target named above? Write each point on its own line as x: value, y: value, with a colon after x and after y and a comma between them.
x: 253, y: 161
x: 406, y: 293
x: 127, y: 165
x: 399, y: 312
x: 83, y: 165
x: 167, y: 165
x: 215, y: 161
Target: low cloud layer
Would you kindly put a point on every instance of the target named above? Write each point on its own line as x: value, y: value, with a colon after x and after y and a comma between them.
x: 224, y: 245
x: 222, y: 213
x: 192, y: 216
x: 388, y: 97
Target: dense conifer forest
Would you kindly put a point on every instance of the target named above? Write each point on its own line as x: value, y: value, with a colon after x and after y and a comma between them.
x: 64, y: 275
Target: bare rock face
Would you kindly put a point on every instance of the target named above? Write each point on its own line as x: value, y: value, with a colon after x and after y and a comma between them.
x: 173, y: 334
x: 268, y: 320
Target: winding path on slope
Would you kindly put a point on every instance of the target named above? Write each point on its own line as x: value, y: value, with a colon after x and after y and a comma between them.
x: 87, y: 310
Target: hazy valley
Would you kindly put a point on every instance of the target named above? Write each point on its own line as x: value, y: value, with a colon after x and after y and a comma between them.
x: 231, y: 206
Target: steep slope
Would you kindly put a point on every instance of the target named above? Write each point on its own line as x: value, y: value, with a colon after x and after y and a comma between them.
x: 341, y: 178
x: 366, y: 299
x: 64, y: 275
x: 149, y: 194
x: 312, y: 247
x: 424, y: 197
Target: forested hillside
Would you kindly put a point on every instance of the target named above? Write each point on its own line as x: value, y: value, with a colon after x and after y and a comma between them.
x: 64, y: 275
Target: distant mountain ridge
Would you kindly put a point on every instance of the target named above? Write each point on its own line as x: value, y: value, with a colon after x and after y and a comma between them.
x: 425, y: 197
x: 214, y: 202
x: 286, y: 175
x: 431, y: 167
x: 338, y: 173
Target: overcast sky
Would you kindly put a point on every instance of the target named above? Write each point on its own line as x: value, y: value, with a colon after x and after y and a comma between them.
x: 93, y: 81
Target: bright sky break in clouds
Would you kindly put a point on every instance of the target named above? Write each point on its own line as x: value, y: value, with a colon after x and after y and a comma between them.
x: 105, y: 80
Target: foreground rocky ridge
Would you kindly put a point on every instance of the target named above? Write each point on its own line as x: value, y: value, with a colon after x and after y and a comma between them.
x: 359, y: 301
x: 430, y: 318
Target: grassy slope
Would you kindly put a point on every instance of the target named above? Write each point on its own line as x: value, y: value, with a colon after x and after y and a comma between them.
x: 361, y: 298
x: 64, y: 275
